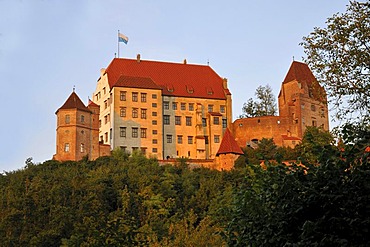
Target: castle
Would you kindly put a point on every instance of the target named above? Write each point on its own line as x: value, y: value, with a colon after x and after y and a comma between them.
x: 171, y: 110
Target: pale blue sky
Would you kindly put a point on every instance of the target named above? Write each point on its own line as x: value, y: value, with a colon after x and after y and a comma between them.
x: 48, y: 46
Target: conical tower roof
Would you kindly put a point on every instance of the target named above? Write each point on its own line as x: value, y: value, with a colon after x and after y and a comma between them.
x: 229, y: 145
x: 300, y: 72
x: 74, y: 102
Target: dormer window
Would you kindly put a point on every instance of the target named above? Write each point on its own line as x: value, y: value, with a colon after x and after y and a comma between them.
x: 189, y: 89
x: 170, y: 88
x: 209, y: 90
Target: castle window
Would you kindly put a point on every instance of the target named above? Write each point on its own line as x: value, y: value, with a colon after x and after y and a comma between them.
x: 217, y: 139
x: 104, y: 90
x: 204, y: 122
x: 322, y: 112
x: 166, y: 119
x: 106, y: 136
x: 135, y: 112
x: 210, y: 108
x: 154, y: 114
x: 155, y: 141
x: 191, y: 106
x: 154, y: 132
x: 143, y: 150
x: 122, y: 131
x: 122, y: 112
x: 179, y: 139
x: 143, y: 133
x: 82, y: 118
x: 143, y: 97
x: 67, y: 119
x: 169, y: 138
x: 99, y: 123
x: 216, y: 120
x: 166, y: 105
x: 255, y: 141
x: 313, y: 108
x: 135, y: 132
x: 174, y: 105
x: 143, y: 113
x: 66, y: 147
x: 105, y: 104
x: 154, y: 122
x: 82, y: 148
x: 222, y: 109
x: 135, y: 97
x: 105, y: 119
x: 177, y: 120
x: 154, y: 105
x: 188, y: 121
x: 154, y: 96
x: 314, y: 123
x: 122, y: 95
x: 224, y: 123
x: 190, y: 140
x: 154, y: 150
x: 183, y: 106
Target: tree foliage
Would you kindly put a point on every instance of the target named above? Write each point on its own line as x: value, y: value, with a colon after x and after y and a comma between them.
x: 126, y: 200
x: 321, y: 204
x: 339, y: 54
x: 264, y: 105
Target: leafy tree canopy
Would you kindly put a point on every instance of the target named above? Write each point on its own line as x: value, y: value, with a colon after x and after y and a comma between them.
x: 265, y: 104
x: 339, y: 54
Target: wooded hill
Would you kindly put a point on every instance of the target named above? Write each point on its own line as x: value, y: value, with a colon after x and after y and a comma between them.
x: 126, y: 200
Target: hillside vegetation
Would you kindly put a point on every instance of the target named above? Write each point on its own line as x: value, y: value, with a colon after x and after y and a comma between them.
x: 133, y: 201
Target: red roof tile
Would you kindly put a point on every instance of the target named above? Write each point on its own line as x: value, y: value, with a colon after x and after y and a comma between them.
x: 74, y: 102
x: 228, y: 145
x: 91, y: 103
x: 136, y: 82
x: 178, y: 79
x: 300, y: 72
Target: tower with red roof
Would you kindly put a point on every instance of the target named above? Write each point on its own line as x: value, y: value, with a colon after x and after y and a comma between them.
x: 78, y: 131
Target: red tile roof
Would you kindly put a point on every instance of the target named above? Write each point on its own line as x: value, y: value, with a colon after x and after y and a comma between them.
x: 228, y: 145
x: 300, y: 72
x: 178, y: 79
x: 136, y: 82
x: 91, y: 103
x: 74, y: 102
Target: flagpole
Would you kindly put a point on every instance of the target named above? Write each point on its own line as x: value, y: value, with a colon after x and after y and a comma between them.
x: 118, y: 42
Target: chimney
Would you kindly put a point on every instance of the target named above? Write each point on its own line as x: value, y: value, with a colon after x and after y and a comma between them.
x: 185, y: 62
x: 102, y: 72
x: 224, y: 83
x: 138, y: 58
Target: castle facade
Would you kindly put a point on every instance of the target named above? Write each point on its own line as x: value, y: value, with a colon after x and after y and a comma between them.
x: 172, y: 110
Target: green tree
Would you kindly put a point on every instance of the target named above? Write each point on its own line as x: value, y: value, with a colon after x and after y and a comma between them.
x: 315, y: 145
x: 316, y: 205
x: 339, y: 54
x: 265, y: 104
